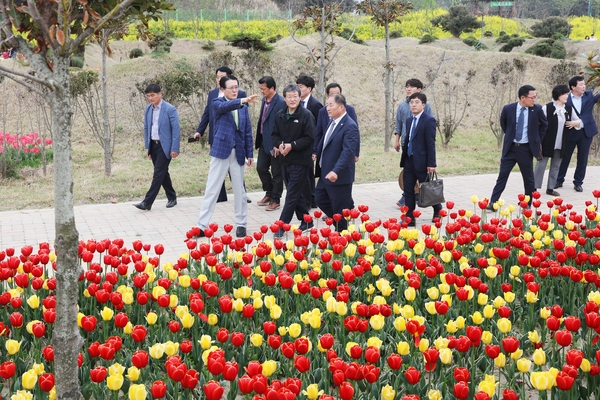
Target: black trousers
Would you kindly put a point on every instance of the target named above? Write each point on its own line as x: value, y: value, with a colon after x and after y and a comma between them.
x: 520, y: 155
x: 411, y: 175
x: 333, y: 199
x: 583, y: 144
x: 272, y: 181
x: 296, y: 183
x: 161, y: 175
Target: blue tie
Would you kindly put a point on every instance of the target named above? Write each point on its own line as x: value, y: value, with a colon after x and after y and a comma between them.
x: 412, y: 134
x: 520, y: 125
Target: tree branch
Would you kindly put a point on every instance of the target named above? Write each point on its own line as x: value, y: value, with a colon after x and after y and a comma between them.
x: 293, y: 35
x: 10, y: 75
x: 89, y: 31
x: 35, y: 14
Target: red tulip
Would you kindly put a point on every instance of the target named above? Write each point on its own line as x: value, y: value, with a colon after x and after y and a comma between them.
x: 274, y: 341
x: 253, y: 368
x: 8, y: 369
x: 213, y: 390
x: 186, y: 346
x: 510, y: 344
x: 346, y: 391
x: 574, y: 358
x: 139, y: 359
x: 412, y: 375
x: 48, y: 353
x: 237, y: 339
x: 94, y: 349
x: 248, y: 311
x: 370, y: 373
x: 176, y: 371
x: 245, y: 384
x: 301, y: 345
x: 564, y: 381
x: 482, y: 395
x: 302, y: 364
x: 107, y: 352
x: 508, y: 394
x: 461, y: 390
x: 572, y: 323
x: 563, y: 338
x: 288, y: 350
x: 372, y: 355
x: 98, y: 374
x: 158, y: 390
x: 230, y: 371
x: 259, y: 383
x: 269, y: 327
x: 222, y: 335
x: 16, y: 319
x: 138, y: 333
x: 88, y: 323
x: 461, y: 374
x: 190, y: 379
x: 394, y: 361
x: 46, y: 382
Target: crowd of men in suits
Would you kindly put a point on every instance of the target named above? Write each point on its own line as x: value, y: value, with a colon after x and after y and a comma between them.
x: 299, y: 140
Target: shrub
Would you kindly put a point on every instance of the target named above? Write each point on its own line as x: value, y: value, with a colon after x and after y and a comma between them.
x: 457, y: 21
x: 427, y: 38
x: 274, y: 39
x: 136, y: 53
x: 548, y: 48
x: 511, y: 44
x: 347, y: 32
x: 395, y: 34
x: 161, y: 42
x: 471, y: 41
x: 504, y: 38
x: 76, y: 62
x: 488, y: 34
x: 248, y: 41
x: 550, y: 26
x: 208, y: 46
x: 561, y: 73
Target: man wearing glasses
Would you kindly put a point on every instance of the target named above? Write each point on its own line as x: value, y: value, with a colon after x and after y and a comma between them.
x: 524, y: 125
x: 232, y: 145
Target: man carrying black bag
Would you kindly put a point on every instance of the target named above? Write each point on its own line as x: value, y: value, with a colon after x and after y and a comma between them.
x: 418, y: 153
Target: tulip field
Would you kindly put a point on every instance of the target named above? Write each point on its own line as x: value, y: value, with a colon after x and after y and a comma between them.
x: 477, y: 305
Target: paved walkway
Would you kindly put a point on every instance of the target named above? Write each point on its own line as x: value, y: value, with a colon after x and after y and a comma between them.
x: 168, y: 226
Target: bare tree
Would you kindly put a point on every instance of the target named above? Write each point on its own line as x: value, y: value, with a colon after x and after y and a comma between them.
x: 325, y: 20
x: 383, y: 13
x: 48, y: 33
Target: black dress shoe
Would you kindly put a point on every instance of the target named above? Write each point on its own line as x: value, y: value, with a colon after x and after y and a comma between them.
x: 552, y: 192
x: 171, y: 203
x: 201, y: 234
x: 578, y: 188
x: 240, y: 231
x: 490, y: 207
x: 221, y: 200
x: 412, y: 224
x: 558, y: 185
x: 248, y: 200
x: 142, y: 206
x: 304, y: 226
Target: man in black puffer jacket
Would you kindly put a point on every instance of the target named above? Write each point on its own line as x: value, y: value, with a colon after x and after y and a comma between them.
x: 294, y: 134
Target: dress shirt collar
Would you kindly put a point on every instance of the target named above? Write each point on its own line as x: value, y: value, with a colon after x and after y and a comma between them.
x: 337, y: 120
x: 305, y: 101
x: 157, y: 107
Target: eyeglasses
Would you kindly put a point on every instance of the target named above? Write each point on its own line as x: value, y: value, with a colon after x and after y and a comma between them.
x: 415, y: 102
x: 531, y: 97
x: 232, y: 88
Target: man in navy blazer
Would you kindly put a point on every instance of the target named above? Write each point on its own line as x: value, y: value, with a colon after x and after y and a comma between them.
x: 524, y: 125
x: 418, y: 153
x: 232, y: 145
x: 335, y: 157
x: 208, y: 117
x: 323, y: 119
x: 583, y: 102
x: 272, y: 181
x: 161, y: 140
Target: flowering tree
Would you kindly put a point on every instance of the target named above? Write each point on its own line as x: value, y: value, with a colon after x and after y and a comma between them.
x: 49, y: 33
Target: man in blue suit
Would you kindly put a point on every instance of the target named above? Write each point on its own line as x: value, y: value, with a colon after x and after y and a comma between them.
x: 232, y: 145
x: 583, y: 102
x: 208, y: 117
x: 335, y: 159
x: 323, y: 119
x: 524, y: 125
x: 161, y: 140
x: 272, y: 181
x: 418, y: 153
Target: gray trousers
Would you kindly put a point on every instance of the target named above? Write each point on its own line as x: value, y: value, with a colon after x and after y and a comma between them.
x: 540, y: 168
x: 216, y: 175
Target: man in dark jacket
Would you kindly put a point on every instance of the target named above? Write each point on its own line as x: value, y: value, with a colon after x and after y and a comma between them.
x: 294, y: 134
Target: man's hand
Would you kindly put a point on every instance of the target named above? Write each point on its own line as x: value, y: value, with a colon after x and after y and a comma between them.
x: 275, y: 151
x: 397, y: 144
x: 355, y: 159
x: 285, y: 148
x: 250, y: 161
x: 197, y: 135
x: 174, y: 154
x: 251, y: 99
x: 331, y: 176
x: 314, y: 157
x: 430, y: 169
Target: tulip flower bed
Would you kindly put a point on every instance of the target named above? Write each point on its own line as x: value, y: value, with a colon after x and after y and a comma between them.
x: 23, y: 151
x: 475, y: 306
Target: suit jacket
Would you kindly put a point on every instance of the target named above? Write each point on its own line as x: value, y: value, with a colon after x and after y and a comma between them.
x: 588, y: 100
x: 314, y: 106
x: 323, y: 124
x: 168, y: 128
x: 208, y: 117
x: 227, y: 134
x: 537, y: 124
x: 264, y: 138
x: 338, y: 153
x: 423, y: 143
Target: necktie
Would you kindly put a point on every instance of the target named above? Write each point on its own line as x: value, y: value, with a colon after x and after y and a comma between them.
x: 264, y: 115
x: 303, y: 102
x: 520, y: 125
x: 325, y: 139
x: 412, y: 134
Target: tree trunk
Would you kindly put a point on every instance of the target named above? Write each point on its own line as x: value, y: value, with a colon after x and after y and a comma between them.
x: 322, y: 65
x: 66, y: 340
x: 106, y: 142
x: 388, y: 88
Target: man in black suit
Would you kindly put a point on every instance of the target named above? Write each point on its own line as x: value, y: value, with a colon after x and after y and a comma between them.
x: 272, y: 182
x: 323, y: 118
x: 208, y: 118
x: 418, y: 153
x: 524, y: 125
x: 308, y: 101
x: 335, y: 156
x: 583, y: 102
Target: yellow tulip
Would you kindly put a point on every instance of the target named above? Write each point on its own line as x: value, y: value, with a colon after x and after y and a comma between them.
x: 157, y: 291
x: 205, y: 342
x: 441, y: 343
x: 448, y: 299
x: 515, y: 270
x: 282, y: 330
x: 500, y: 361
x: 408, y: 311
x: 151, y: 318
x: 114, y: 382
x: 487, y: 337
x: 133, y: 373
x: 22, y: 395
x: 376, y: 271
x: 171, y: 348
x: 116, y: 369
x: 38, y: 368
x: 541, y: 380
x: 184, y: 281
x: 477, y: 318
x: 403, y: 348
x: 482, y: 299
x: 238, y: 305
x: 515, y: 355
x: 187, y: 320
x: 504, y: 325
x: 446, y: 256
x: 128, y: 328
x: 451, y: 327
x: 488, y: 311
x: 137, y: 392
x: 491, y: 272
x: 446, y: 356
x: 430, y: 307
x: 294, y: 330
x: 257, y: 303
x: 270, y: 301
x: 499, y: 302
x: 423, y: 345
x: 375, y: 342
x: 488, y: 385
x: 349, y: 346
x: 434, y: 394
x: 585, y: 365
x: 107, y: 313
x: 52, y: 394
x: 33, y: 301
x: 523, y: 365
x: 157, y: 350
x: 444, y: 288
x: 213, y: 319
x: 275, y: 311
x: 410, y: 294
x: 28, y: 379
x: 312, y: 391
x: 509, y: 297
x: 433, y: 293
x: 12, y: 346
x: 545, y: 312
x: 341, y: 308
x: 269, y: 367
x: 478, y: 248
x: 256, y: 339
x: 531, y: 297
x: 388, y: 393
x: 377, y: 322
x: 173, y: 301
x: 127, y: 298
x: 539, y: 357
x: 460, y: 321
